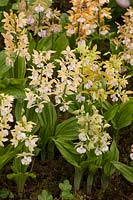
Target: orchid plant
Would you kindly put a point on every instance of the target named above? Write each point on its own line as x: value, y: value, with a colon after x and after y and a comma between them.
x: 53, y: 68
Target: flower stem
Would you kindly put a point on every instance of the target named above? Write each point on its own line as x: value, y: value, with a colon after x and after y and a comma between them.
x: 77, y: 178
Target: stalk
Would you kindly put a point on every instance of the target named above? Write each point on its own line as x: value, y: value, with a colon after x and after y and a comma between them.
x: 77, y: 178
x: 90, y: 179
x: 51, y: 150
x: 20, y: 185
x: 105, y: 182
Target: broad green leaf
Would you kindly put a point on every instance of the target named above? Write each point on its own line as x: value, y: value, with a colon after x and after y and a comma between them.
x: 49, y: 118
x: 125, y: 170
x: 49, y: 112
x: 91, y: 159
x: 15, y: 6
x: 124, y: 116
x: 21, y: 67
x: 17, y: 166
x: 46, y: 43
x: 64, y: 19
x: 3, y: 67
x: 95, y: 165
x: 68, y: 145
x: 68, y: 155
x: 13, y: 82
x: 110, y: 114
x: 18, y: 109
x: 61, y: 43
x: 93, y: 168
x: 31, y: 115
x: 16, y: 92
x: 4, y: 2
x: 32, y: 43
x: 68, y: 129
x: 112, y: 155
x: 106, y: 105
x: 7, y: 154
x: 85, y: 164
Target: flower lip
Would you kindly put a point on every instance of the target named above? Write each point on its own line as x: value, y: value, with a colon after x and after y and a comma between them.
x: 123, y: 3
x: 30, y: 20
x: 39, y: 8
x: 81, y: 150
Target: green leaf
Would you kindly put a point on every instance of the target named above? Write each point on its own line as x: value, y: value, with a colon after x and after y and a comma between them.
x: 124, y: 116
x: 3, y: 67
x: 92, y: 159
x: 61, y: 43
x: 85, y: 164
x: 21, y: 67
x: 4, y: 2
x: 110, y: 114
x: 18, y: 175
x: 16, y: 92
x: 64, y: 19
x: 48, y: 120
x: 4, y: 193
x: 49, y: 117
x: 15, y: 6
x: 112, y: 155
x: 18, y: 109
x: 106, y: 105
x: 67, y: 195
x: 7, y: 154
x: 65, y: 186
x: 32, y: 43
x: 66, y: 152
x: 46, y: 43
x: 31, y: 115
x: 68, y: 129
x: 12, y: 83
x: 45, y: 196
x: 20, y: 178
x: 125, y: 170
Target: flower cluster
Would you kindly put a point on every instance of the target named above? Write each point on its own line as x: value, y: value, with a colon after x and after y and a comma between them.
x: 68, y: 78
x: 115, y: 81
x: 42, y: 20
x: 86, y: 16
x: 92, y: 134
x: 41, y: 80
x: 21, y: 131
x: 21, y: 134
x: 16, y: 40
x: 80, y: 74
x: 102, y: 79
x: 6, y: 117
x: 91, y: 73
x: 125, y: 37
